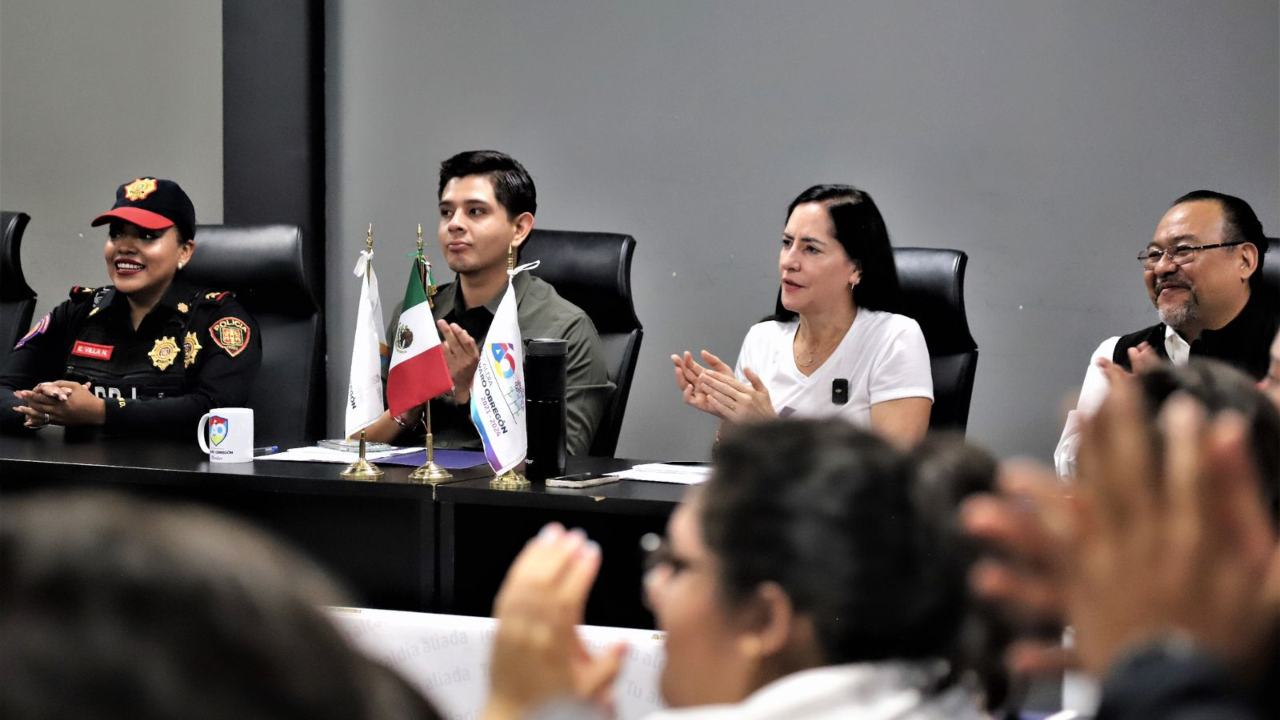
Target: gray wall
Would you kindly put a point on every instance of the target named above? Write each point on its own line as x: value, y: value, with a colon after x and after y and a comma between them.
x: 1043, y: 138
x: 93, y: 94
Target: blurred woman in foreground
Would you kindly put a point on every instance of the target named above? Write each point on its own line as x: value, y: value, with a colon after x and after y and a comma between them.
x: 800, y: 582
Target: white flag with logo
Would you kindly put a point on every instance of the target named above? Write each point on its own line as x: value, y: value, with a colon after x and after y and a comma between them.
x: 364, y: 392
x: 497, y: 389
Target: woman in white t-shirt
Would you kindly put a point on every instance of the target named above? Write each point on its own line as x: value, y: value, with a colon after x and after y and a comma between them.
x: 836, y: 346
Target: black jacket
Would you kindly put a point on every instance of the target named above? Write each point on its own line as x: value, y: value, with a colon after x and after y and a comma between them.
x: 1244, y: 343
x: 196, y: 350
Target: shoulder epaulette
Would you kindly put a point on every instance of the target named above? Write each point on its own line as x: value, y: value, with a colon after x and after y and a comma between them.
x: 218, y: 296
x: 78, y: 292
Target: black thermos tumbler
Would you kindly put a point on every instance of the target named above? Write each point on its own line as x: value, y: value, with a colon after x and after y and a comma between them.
x: 544, y: 375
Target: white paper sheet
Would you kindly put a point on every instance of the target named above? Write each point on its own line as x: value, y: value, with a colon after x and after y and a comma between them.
x: 666, y: 473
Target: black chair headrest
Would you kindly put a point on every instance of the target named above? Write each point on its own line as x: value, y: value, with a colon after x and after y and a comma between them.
x: 262, y: 264
x: 13, y: 284
x: 932, y: 281
x: 1271, y: 266
x: 589, y: 269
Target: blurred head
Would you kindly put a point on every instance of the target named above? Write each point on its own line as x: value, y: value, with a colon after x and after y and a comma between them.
x: 948, y: 471
x: 1220, y: 388
x: 111, y: 607
x: 803, y: 550
x: 487, y: 204
x: 835, y: 249
x: 150, y: 236
x: 1206, y: 288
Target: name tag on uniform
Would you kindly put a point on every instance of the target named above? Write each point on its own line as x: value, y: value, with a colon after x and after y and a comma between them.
x: 92, y: 350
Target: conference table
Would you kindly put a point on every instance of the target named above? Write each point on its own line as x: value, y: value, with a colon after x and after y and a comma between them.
x: 395, y: 544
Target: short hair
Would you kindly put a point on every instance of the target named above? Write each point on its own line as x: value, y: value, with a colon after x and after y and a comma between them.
x: 512, y: 185
x: 860, y: 230
x: 824, y: 510
x: 115, y: 607
x: 1218, y: 388
x: 1242, y: 224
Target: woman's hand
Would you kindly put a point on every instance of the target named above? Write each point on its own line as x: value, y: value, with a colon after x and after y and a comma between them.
x: 687, y: 373
x: 537, y: 655
x: 61, y: 402
x: 733, y: 400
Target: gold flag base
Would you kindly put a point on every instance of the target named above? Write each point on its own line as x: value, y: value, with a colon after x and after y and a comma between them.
x: 510, y: 480
x: 431, y: 474
x: 362, y: 469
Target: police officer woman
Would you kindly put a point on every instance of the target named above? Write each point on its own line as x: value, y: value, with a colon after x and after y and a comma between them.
x: 148, y: 354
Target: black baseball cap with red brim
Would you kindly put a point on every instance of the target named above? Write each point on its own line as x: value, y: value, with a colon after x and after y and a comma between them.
x: 152, y: 204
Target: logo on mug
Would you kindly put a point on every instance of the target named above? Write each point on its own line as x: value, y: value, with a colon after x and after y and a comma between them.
x: 218, y: 427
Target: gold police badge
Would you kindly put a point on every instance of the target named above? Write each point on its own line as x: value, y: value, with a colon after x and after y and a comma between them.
x: 139, y: 189
x: 164, y: 353
x: 190, y: 346
x: 230, y: 334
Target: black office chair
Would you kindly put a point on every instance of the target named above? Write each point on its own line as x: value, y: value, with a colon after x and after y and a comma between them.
x: 262, y: 264
x: 932, y: 281
x: 1271, y: 267
x: 593, y: 271
x: 17, y: 299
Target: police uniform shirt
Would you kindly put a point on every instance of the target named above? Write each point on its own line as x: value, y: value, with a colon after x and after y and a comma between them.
x: 194, y: 351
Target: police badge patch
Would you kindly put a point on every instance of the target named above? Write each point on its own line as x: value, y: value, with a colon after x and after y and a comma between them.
x: 139, y: 189
x: 230, y: 334
x: 37, y: 330
x: 164, y: 353
x: 190, y: 347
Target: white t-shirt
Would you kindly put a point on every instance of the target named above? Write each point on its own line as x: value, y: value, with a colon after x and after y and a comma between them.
x: 863, y: 691
x: 883, y: 356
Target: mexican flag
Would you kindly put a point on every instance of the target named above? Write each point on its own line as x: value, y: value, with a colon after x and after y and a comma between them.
x: 418, y: 369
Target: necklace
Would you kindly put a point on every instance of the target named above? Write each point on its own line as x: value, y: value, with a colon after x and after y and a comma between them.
x: 806, y: 359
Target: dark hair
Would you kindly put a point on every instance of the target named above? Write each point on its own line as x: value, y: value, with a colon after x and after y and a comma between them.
x: 512, y: 185
x: 824, y: 510
x: 113, y: 607
x: 1220, y: 387
x: 861, y: 231
x: 948, y: 471
x: 1242, y: 225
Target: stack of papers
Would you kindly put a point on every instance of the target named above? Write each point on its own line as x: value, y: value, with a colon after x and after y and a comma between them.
x: 313, y: 453
x: 666, y: 473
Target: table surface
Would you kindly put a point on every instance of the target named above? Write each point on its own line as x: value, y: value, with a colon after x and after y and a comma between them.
x: 136, y: 461
x: 397, y: 544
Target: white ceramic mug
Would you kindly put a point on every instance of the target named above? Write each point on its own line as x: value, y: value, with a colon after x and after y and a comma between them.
x: 230, y: 432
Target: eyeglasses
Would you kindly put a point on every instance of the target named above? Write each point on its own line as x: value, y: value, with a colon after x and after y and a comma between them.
x: 1178, y: 254
x: 660, y: 565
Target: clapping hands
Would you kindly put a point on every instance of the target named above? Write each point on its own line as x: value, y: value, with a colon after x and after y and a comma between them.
x: 715, y: 389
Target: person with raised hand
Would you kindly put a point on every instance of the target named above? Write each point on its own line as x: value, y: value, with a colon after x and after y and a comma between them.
x: 827, y: 595
x: 1163, y: 558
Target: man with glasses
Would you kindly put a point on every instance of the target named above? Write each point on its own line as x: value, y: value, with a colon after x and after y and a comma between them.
x: 1203, y: 273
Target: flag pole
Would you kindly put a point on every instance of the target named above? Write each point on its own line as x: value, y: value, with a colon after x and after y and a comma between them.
x: 512, y: 479
x: 362, y: 469
x: 430, y: 472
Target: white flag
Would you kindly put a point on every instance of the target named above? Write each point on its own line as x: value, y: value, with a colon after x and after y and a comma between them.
x: 497, y: 389
x: 364, y: 393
